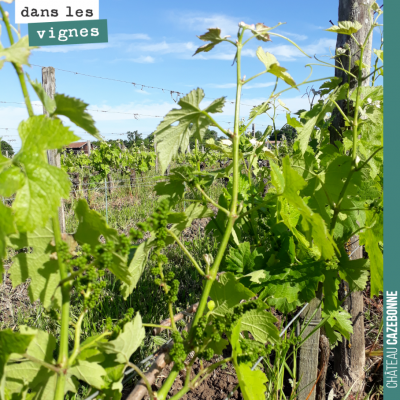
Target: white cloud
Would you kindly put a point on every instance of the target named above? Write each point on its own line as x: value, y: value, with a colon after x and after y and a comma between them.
x: 288, y: 52
x: 295, y: 36
x: 222, y: 85
x: 200, y: 24
x: 164, y: 47
x: 258, y: 85
x: 129, y: 36
x: 142, y: 60
x: 142, y: 91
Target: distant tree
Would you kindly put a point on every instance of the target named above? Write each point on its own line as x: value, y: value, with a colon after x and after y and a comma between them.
x: 287, y: 130
x: 148, y: 141
x: 258, y: 135
x: 134, y: 138
x: 6, y: 146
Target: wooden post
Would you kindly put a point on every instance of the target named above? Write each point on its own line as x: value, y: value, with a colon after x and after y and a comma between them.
x: 350, y: 354
x: 88, y: 147
x: 7, y: 153
x: 53, y: 157
x: 253, y: 132
x: 308, y: 354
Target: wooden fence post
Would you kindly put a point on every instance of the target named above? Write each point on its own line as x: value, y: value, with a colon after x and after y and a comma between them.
x: 253, y: 130
x: 88, y: 147
x: 309, y: 351
x: 53, y: 157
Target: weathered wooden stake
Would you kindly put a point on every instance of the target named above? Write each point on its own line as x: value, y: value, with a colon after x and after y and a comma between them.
x: 53, y: 157
x: 308, y: 354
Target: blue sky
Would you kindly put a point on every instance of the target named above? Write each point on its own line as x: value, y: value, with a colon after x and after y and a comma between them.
x: 152, y: 43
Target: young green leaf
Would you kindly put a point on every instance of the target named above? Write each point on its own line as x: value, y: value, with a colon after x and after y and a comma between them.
x: 127, y: 341
x: 273, y: 67
x: 379, y: 54
x: 227, y: 293
x: 42, y: 346
x: 371, y: 238
x: 89, y: 372
x: 260, y: 324
x: 75, y: 110
x: 345, y: 27
x: 40, y: 196
x: 41, y: 133
x: 48, y: 103
x: 260, y: 109
x: 317, y: 114
x: 138, y: 259
x: 7, y: 227
x: 213, y: 35
x: 91, y: 226
x: 11, y: 180
x: 294, y: 183
x: 18, y: 53
x: 192, y: 121
x: 38, y: 265
x: 355, y: 272
x: 11, y: 342
x: 240, y: 260
x: 251, y: 382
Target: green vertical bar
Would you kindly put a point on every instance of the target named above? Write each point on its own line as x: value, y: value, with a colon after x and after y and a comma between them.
x: 391, y: 281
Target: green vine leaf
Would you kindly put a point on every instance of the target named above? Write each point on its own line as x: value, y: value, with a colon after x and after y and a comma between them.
x: 75, y: 110
x: 17, y: 53
x: 241, y: 259
x: 317, y: 114
x: 7, y: 227
x: 293, y: 184
x: 213, y: 35
x: 273, y: 67
x: 227, y: 293
x: 27, y: 373
x: 371, y: 237
x: 48, y: 103
x: 11, y: 180
x: 37, y: 265
x: 138, y: 259
x: 260, y: 324
x: 40, y: 196
x: 345, y: 27
x: 192, y: 121
x: 251, y: 382
x: 91, y: 226
x: 127, y: 342
x: 89, y: 372
x: 354, y: 272
x: 40, y: 133
x: 11, y: 342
